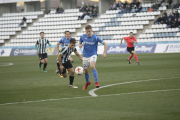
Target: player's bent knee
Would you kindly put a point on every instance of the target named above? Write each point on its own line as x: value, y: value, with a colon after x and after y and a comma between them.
x: 72, y: 73
x: 92, y: 67
x: 133, y: 52
x: 64, y: 76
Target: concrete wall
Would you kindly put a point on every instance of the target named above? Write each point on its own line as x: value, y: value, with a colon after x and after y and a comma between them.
x: 79, y: 2
x: 8, y: 8
x: 104, y: 5
x: 32, y: 6
x: 47, y: 6
x: 68, y: 4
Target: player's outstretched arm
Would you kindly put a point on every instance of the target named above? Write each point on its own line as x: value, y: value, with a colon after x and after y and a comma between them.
x: 105, y: 49
x: 136, y: 42
x: 80, y: 57
x: 60, y: 62
x: 121, y: 41
x: 49, y: 44
x: 80, y: 42
x: 57, y: 47
x: 36, y: 47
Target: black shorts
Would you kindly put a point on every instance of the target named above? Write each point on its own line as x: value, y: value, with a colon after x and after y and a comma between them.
x: 66, y: 65
x: 130, y: 49
x: 42, y: 56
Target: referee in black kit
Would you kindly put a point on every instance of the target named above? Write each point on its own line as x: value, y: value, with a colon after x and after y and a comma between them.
x: 41, y: 50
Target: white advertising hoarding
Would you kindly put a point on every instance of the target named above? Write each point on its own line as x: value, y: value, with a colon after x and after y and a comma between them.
x: 167, y: 48
x: 5, y: 52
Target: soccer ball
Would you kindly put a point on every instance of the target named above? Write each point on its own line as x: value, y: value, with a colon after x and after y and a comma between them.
x: 79, y: 70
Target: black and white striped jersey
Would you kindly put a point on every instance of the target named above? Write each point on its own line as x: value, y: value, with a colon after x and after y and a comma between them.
x: 42, y: 45
x: 66, y: 52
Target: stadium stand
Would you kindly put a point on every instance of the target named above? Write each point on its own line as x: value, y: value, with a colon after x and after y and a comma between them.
x: 162, y: 32
x: 9, y: 23
x: 53, y: 25
x: 111, y: 26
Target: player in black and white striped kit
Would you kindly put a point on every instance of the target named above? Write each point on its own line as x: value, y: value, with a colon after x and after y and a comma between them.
x: 41, y: 50
x: 64, y: 62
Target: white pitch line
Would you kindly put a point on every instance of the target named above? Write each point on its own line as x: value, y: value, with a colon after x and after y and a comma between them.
x: 6, y: 64
x: 91, y: 92
x: 154, y: 91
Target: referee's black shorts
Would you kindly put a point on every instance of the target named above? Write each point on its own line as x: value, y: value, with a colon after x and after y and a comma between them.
x: 130, y: 49
x: 66, y: 65
x: 42, y: 56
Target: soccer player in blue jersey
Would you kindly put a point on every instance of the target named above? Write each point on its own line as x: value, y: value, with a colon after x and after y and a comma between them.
x: 90, y: 44
x: 65, y: 42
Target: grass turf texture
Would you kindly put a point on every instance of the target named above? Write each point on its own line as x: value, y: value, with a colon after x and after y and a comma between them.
x: 25, y: 82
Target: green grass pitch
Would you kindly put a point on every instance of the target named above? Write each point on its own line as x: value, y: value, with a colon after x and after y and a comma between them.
x: 25, y: 86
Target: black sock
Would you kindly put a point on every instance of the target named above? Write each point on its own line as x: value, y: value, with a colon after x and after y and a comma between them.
x: 71, y: 78
x: 45, y: 64
x: 58, y: 68
x: 40, y: 64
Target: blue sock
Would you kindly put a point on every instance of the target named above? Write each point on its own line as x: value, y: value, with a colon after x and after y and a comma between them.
x: 87, y: 77
x: 95, y: 74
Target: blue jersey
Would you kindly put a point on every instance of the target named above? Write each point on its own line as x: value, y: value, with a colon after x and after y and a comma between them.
x: 90, y: 44
x: 64, y: 41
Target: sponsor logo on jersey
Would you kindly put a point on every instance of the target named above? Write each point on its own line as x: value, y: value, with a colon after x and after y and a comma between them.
x: 89, y: 43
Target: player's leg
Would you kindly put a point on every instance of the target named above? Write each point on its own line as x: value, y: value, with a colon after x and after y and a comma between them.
x: 69, y: 67
x: 71, y: 60
x: 129, y: 59
x: 41, y: 60
x: 135, y: 56
x: 131, y: 55
x: 71, y: 78
x: 86, y: 64
x: 94, y: 71
x: 45, y: 62
x: 86, y: 72
x: 58, y: 71
x: 65, y: 74
x: 40, y: 63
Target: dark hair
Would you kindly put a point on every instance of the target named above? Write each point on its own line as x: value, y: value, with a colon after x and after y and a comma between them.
x: 88, y: 27
x: 131, y: 32
x: 67, y: 31
x: 41, y: 32
x: 73, y: 40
